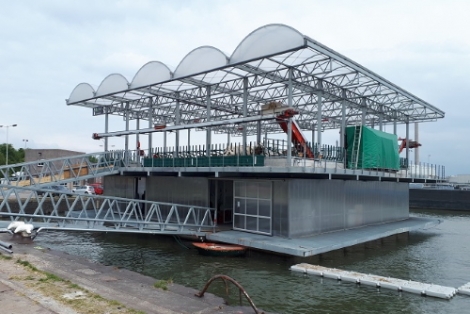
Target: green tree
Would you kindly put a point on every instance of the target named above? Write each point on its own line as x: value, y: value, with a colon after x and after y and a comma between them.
x: 14, y: 156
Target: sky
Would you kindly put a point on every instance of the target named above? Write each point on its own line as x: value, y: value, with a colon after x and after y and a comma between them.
x: 48, y: 47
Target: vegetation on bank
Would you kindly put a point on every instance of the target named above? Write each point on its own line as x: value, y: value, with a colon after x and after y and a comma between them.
x: 163, y: 284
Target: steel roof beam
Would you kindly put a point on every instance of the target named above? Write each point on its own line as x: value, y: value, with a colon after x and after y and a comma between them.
x: 186, y: 126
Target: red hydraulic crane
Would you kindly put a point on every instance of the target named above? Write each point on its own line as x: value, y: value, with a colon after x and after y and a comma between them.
x: 297, y: 136
x: 411, y: 144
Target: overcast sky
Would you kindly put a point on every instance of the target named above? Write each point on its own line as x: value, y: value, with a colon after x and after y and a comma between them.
x: 48, y: 47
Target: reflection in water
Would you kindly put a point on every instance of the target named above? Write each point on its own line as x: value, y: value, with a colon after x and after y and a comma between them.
x: 438, y: 255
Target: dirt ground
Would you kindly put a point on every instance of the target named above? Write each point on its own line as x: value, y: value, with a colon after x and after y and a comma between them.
x: 39, y: 280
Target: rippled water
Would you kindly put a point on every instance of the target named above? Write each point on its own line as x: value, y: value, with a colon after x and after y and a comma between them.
x: 440, y: 255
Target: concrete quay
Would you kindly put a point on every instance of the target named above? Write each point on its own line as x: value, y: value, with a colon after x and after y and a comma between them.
x: 124, y: 291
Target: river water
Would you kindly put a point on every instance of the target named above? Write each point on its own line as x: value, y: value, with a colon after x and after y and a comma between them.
x: 440, y: 255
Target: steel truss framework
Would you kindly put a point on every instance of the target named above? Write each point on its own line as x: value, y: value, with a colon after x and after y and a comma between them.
x: 325, y: 87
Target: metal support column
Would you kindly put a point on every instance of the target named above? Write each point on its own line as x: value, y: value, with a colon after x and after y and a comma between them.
x: 189, y: 138
x: 208, y: 118
x: 177, y: 122
x: 313, y: 135
x: 319, y: 117
x: 126, y: 141
x: 150, y: 117
x: 289, y: 123
x: 417, y: 141
x: 245, y: 111
x: 364, y: 111
x: 407, y: 123
x: 289, y: 142
x: 164, y: 142
x: 137, y: 137
x: 395, y: 123
x: 381, y: 115
x: 106, y: 130
x: 343, y: 121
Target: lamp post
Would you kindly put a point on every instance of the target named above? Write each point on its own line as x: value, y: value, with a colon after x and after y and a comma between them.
x: 7, y: 127
x: 25, y: 143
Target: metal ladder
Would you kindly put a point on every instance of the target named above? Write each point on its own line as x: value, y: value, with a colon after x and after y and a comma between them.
x: 356, y: 146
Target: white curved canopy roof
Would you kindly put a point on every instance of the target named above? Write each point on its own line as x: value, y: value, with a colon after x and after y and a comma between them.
x: 113, y: 83
x: 274, y: 62
x: 200, y: 60
x: 267, y: 40
x: 151, y: 73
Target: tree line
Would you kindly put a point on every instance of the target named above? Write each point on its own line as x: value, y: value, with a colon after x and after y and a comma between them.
x: 14, y: 156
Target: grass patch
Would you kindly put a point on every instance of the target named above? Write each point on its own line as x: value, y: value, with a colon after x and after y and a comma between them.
x: 27, y: 265
x: 74, y: 286
x: 163, y: 284
x: 5, y: 257
x: 51, y: 277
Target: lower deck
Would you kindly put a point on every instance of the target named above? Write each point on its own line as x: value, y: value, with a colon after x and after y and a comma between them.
x: 322, y: 243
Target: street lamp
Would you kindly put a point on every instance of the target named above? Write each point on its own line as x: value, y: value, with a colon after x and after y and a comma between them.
x: 7, y: 126
x: 25, y: 143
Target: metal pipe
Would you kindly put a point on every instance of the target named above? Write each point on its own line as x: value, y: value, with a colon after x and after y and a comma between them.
x: 6, y: 245
x: 187, y: 126
x: 6, y: 250
x: 226, y: 278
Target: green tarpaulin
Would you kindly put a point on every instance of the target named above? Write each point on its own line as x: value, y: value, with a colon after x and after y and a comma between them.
x: 376, y: 150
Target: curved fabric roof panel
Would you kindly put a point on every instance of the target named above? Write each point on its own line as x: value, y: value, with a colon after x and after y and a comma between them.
x: 201, y: 59
x: 152, y: 72
x: 273, y: 63
x: 81, y: 92
x: 113, y: 83
x: 267, y: 40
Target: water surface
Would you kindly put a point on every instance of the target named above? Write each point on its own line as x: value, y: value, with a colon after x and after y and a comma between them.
x: 440, y: 255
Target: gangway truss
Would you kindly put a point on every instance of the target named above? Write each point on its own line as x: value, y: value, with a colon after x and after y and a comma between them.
x: 81, y: 212
x: 66, y: 169
x: 28, y: 199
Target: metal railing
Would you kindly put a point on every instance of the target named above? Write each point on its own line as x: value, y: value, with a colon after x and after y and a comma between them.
x: 329, y: 160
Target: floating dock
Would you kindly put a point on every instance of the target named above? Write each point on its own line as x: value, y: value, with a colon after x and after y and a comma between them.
x: 465, y: 289
x: 410, y: 286
x: 321, y: 243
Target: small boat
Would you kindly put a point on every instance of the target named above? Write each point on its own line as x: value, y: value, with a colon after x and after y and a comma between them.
x: 218, y: 249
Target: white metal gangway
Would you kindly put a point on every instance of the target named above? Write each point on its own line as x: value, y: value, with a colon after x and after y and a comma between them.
x: 82, y: 212
x: 29, y: 200
x: 65, y: 169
